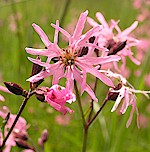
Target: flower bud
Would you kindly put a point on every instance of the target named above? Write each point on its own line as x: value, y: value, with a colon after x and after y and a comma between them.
x: 35, y: 70
x: 23, y: 144
x: 40, y: 93
x: 44, y: 135
x: 15, y: 88
x: 43, y: 138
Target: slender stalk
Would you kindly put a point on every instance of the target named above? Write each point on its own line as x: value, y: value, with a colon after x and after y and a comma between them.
x: 85, y: 127
x: 16, y: 119
x: 94, y: 117
x: 79, y: 103
x: 61, y: 21
x: 85, y: 134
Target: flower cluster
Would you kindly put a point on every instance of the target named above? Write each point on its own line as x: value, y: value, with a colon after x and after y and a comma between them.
x: 85, y: 53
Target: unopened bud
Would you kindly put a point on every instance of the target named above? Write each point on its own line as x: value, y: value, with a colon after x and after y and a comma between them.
x: 43, y: 138
x: 15, y: 88
x: 44, y: 135
x: 23, y: 144
x: 35, y: 70
x: 113, y: 95
x: 40, y: 93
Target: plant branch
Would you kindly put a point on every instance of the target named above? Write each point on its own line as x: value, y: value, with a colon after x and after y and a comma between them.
x: 79, y: 103
x: 94, y: 117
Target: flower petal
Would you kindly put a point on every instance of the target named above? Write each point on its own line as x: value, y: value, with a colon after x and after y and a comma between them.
x: 102, y: 20
x: 37, y: 61
x: 38, y: 76
x: 119, y: 98
x: 64, y: 32
x: 80, y: 25
x: 79, y: 79
x: 99, y: 60
x: 125, y: 103
x: 42, y: 35
x: 128, y: 30
x: 92, y: 22
x: 96, y: 73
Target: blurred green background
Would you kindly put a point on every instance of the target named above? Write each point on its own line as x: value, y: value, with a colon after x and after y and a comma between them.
x: 108, y: 133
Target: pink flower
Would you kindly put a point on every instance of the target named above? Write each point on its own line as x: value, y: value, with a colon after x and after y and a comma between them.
x: 119, y: 43
x: 57, y: 96
x: 124, y: 90
x: 73, y: 62
x: 20, y: 129
x: 4, y: 89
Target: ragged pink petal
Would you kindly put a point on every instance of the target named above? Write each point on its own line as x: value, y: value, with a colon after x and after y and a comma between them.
x: 128, y: 30
x: 96, y: 73
x: 79, y: 79
x: 43, y: 52
x: 42, y: 35
x: 92, y: 22
x: 102, y: 20
x: 133, y: 103
x: 64, y: 32
x: 99, y: 60
x: 80, y: 25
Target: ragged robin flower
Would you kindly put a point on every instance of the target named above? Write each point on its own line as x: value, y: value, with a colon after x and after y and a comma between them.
x: 116, y: 41
x: 124, y: 93
x: 74, y: 61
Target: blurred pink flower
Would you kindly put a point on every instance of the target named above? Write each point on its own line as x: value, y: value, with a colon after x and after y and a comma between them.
x: 137, y: 4
x: 20, y: 129
x: 147, y: 80
x: 143, y: 120
x: 28, y: 150
x: 57, y: 96
x: 63, y: 120
x: 73, y: 62
x: 119, y: 43
x: 4, y: 89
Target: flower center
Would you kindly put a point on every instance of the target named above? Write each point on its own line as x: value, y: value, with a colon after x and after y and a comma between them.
x: 68, y: 57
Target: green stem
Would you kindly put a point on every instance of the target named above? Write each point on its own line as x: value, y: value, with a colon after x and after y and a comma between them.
x: 94, y: 117
x: 79, y: 103
x: 85, y: 134
x: 61, y: 21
